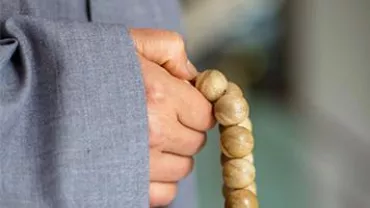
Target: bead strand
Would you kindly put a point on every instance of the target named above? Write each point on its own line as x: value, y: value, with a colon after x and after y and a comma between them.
x: 231, y: 111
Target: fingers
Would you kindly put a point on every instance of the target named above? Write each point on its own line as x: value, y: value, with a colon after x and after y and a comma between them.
x: 165, y: 48
x: 165, y: 167
x: 171, y: 136
x: 192, y: 108
x: 161, y: 194
x: 184, y: 141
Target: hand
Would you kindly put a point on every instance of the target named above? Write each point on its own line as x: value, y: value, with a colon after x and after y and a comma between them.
x: 178, y: 113
x: 165, y: 48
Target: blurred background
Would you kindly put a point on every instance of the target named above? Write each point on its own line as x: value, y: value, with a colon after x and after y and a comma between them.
x: 304, y: 66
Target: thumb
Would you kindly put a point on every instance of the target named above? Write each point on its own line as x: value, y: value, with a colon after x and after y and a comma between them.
x: 165, y: 48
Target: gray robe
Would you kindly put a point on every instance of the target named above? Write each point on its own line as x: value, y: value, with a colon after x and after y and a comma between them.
x: 73, y: 126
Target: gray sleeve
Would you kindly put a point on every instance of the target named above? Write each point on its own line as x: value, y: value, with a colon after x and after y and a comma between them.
x: 73, y: 126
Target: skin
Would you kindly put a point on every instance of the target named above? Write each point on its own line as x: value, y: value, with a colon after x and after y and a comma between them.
x: 178, y: 114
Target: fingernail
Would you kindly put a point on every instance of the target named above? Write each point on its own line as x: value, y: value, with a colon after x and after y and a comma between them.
x: 191, y: 69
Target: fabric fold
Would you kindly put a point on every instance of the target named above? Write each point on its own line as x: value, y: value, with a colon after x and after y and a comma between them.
x: 73, y: 121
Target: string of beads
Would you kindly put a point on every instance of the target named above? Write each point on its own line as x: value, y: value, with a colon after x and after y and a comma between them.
x: 231, y: 111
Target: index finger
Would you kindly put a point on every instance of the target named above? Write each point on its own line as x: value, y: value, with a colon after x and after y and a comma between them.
x: 192, y: 108
x: 165, y: 48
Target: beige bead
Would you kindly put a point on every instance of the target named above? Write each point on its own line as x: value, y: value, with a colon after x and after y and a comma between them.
x: 220, y: 128
x: 250, y: 158
x: 225, y: 152
x: 241, y: 199
x: 247, y: 123
x: 212, y: 84
x: 231, y: 110
x: 236, y: 142
x: 238, y: 173
x: 253, y: 188
x: 226, y: 190
x: 234, y: 89
x: 224, y: 158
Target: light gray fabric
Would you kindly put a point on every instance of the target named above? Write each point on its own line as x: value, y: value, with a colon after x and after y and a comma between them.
x: 73, y: 126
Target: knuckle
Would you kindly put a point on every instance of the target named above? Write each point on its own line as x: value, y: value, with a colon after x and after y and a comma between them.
x: 185, y: 168
x: 209, y: 119
x: 155, y: 92
x: 156, y: 138
x: 178, y: 42
x: 199, y: 144
x: 171, y: 194
x: 205, y: 115
x: 163, y: 195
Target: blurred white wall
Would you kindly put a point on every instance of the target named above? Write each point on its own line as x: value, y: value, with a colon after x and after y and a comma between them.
x: 330, y: 60
x: 209, y: 22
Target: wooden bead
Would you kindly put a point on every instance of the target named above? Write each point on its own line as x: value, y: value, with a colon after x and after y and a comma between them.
x: 247, y: 123
x: 212, y: 84
x: 220, y: 128
x: 236, y: 142
x: 250, y: 158
x: 234, y: 89
x: 238, y: 173
x: 231, y: 110
x: 241, y: 199
x: 253, y: 188
x: 224, y: 158
x: 226, y: 190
